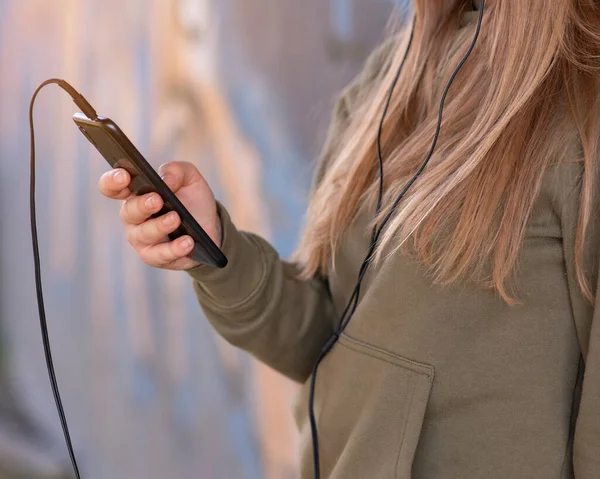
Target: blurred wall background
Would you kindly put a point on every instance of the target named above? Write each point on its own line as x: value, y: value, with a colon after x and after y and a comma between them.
x: 242, y: 88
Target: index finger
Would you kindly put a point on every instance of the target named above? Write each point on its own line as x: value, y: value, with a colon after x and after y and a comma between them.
x: 115, y: 184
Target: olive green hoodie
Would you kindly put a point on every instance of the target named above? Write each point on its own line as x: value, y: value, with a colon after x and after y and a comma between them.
x: 428, y: 382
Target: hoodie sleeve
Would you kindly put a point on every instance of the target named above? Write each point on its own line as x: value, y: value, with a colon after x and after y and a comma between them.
x: 256, y: 302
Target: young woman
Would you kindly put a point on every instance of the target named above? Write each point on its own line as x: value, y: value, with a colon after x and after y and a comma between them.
x: 474, y: 348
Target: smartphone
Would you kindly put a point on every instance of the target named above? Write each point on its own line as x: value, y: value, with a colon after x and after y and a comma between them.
x: 120, y: 152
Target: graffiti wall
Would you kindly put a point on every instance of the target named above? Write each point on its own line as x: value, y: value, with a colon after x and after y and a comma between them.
x: 241, y: 88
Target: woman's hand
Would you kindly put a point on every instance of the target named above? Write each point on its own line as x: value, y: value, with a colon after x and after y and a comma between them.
x: 149, y: 236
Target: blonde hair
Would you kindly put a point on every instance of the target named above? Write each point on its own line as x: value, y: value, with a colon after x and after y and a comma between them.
x: 527, y: 91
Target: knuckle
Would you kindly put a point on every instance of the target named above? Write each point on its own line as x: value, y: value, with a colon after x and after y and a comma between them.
x: 163, y: 256
x: 131, y: 237
x: 128, y: 211
x: 148, y: 256
x: 148, y: 233
x: 136, y: 209
x: 123, y: 212
x: 174, y: 250
x: 162, y: 229
x: 145, y: 256
x: 160, y: 258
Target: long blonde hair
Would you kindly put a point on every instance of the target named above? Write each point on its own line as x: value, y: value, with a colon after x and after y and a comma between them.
x: 528, y: 89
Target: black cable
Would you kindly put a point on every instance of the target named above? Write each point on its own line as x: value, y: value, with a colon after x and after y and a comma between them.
x: 90, y: 113
x: 346, y: 316
x: 378, y: 229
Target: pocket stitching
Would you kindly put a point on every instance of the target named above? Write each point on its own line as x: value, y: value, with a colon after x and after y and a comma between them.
x: 406, y: 416
x: 361, y: 347
x: 421, y: 369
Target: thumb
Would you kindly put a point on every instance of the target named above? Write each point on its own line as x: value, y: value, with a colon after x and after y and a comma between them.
x: 177, y: 174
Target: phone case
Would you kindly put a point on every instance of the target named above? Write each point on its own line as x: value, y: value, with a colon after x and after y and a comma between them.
x: 120, y: 152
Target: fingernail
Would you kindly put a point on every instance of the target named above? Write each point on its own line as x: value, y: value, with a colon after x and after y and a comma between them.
x: 151, y: 201
x: 165, y: 178
x: 187, y: 243
x: 119, y: 176
x: 169, y: 219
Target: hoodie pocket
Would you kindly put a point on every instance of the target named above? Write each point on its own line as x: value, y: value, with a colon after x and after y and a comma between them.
x: 369, y: 406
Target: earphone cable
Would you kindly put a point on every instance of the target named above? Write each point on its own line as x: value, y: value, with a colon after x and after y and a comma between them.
x: 352, y: 304
x: 353, y: 301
